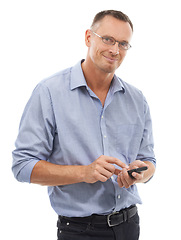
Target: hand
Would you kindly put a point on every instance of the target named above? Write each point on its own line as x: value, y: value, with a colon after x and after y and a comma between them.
x: 124, y: 180
x: 102, y: 169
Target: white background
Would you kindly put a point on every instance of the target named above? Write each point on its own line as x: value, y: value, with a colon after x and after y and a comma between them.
x: 39, y: 38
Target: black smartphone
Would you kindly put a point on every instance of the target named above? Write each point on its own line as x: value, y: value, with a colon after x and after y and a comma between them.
x: 137, y: 170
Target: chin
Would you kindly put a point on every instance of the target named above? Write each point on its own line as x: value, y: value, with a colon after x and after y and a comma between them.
x: 106, y: 70
x: 107, y: 67
x: 110, y: 69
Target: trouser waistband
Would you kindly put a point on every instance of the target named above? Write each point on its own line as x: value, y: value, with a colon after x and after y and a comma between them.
x: 111, y: 220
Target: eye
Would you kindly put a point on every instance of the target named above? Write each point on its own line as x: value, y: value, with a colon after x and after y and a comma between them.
x: 108, y: 40
x: 124, y: 44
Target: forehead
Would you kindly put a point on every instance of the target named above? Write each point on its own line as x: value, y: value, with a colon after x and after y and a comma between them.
x: 115, y: 28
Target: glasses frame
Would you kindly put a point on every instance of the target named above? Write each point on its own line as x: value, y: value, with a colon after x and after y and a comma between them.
x: 114, y: 42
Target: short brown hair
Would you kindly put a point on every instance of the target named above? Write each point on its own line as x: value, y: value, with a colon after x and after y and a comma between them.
x: 116, y: 14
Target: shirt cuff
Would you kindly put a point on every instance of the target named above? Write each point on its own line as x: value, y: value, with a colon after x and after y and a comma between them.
x: 25, y: 173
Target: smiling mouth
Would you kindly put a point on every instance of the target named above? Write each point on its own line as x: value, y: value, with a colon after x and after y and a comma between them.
x: 111, y: 60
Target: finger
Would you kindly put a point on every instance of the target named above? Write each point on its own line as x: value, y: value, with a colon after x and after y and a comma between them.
x: 101, y: 175
x: 109, y: 167
x: 119, y: 181
x: 123, y: 180
x: 137, y: 176
x: 117, y: 162
x: 101, y: 178
x: 106, y: 173
x: 128, y: 181
x: 117, y: 171
x: 138, y: 163
x: 103, y: 162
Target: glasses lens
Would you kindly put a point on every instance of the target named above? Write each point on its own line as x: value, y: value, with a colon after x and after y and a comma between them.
x: 124, y: 45
x: 108, y: 40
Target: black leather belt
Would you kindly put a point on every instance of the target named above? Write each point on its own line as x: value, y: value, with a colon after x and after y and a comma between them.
x: 111, y: 220
x: 124, y: 215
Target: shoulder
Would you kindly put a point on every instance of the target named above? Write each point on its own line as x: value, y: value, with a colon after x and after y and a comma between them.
x: 133, y: 94
x: 57, y: 80
x: 54, y: 84
x: 130, y: 89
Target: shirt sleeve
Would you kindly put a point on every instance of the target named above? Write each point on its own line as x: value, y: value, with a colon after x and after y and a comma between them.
x: 36, y: 134
x: 146, y: 151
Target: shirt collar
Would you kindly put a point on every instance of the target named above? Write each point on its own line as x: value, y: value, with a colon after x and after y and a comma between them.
x: 77, y: 77
x: 117, y: 85
x: 78, y: 80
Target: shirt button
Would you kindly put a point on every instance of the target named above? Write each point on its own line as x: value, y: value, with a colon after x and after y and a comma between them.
x: 105, y: 136
x: 119, y: 196
x: 102, y: 117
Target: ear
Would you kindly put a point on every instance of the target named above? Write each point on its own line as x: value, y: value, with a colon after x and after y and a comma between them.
x: 88, y: 38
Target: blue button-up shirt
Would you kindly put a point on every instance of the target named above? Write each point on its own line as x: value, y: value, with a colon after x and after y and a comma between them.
x: 64, y: 123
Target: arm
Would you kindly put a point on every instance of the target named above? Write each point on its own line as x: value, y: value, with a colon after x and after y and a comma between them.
x: 36, y: 134
x: 145, y: 154
x: 49, y: 174
x: 45, y: 173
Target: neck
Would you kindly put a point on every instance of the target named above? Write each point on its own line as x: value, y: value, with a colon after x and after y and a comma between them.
x: 96, y: 79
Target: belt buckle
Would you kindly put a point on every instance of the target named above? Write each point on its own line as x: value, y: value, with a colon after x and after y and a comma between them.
x: 109, y: 220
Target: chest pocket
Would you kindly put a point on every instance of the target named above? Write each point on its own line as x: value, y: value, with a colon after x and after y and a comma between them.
x: 128, y: 140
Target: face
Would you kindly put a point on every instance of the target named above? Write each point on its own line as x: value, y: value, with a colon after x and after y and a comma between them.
x: 107, y: 58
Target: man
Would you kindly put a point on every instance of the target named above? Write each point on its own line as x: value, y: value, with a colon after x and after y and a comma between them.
x: 81, y: 131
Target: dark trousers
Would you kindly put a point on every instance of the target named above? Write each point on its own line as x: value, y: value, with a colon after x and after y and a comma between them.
x: 68, y: 230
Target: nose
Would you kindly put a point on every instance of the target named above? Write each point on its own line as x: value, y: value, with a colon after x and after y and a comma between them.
x: 114, y: 49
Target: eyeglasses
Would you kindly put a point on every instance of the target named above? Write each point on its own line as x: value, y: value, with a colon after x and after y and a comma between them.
x: 111, y: 41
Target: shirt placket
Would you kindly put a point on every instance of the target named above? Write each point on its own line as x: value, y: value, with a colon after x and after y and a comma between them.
x: 104, y: 134
x: 105, y: 140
